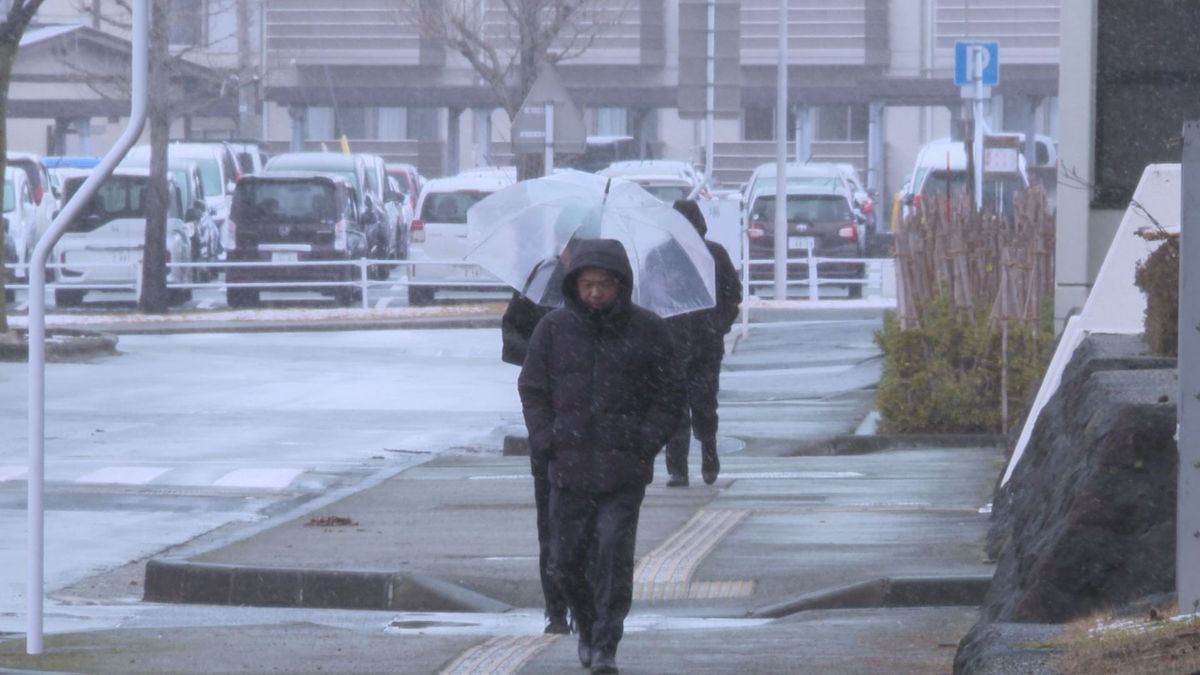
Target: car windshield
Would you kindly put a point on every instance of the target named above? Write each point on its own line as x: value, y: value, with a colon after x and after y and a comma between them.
x: 10, y: 198
x: 119, y: 197
x: 804, y: 208
x: 668, y: 193
x: 768, y: 184
x: 997, y: 189
x: 181, y: 179
x: 450, y: 207
x: 210, y: 175
x: 284, y: 202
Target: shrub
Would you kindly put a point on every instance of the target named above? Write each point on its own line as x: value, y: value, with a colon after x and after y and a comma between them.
x: 1158, y: 278
x: 944, y: 375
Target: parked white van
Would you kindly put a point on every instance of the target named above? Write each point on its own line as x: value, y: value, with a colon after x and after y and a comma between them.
x: 439, y: 231
x: 940, y: 171
x: 20, y: 210
x: 103, y: 245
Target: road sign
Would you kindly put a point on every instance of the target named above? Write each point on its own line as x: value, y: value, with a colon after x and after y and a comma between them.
x: 529, y: 128
x: 965, y: 65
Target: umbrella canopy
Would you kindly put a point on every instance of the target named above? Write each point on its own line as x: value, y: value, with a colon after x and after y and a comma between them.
x: 522, y: 234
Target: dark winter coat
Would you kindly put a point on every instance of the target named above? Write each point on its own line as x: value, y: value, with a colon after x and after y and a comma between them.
x: 601, y: 391
x: 702, y: 333
x: 520, y: 318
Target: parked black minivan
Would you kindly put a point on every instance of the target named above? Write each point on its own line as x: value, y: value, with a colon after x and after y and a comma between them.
x: 289, y: 217
x: 820, y: 218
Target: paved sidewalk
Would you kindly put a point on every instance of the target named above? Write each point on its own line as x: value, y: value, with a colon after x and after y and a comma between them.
x: 867, y: 563
x: 864, y: 563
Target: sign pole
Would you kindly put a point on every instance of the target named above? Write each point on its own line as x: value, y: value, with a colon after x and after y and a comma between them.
x: 977, y: 150
x: 549, y: 158
x: 710, y: 114
x: 781, y: 84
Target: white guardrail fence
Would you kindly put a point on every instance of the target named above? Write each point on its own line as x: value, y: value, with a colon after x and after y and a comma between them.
x: 875, y: 277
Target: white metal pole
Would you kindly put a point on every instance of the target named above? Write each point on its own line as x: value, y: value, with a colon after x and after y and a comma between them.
x: 35, y: 510
x: 781, y: 84
x: 1187, y: 516
x: 978, y: 149
x: 710, y: 114
x: 549, y: 158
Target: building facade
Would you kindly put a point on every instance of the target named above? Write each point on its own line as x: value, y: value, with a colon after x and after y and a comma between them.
x: 870, y: 81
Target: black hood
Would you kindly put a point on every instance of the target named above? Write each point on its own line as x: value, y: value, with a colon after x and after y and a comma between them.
x: 690, y: 209
x: 607, y: 254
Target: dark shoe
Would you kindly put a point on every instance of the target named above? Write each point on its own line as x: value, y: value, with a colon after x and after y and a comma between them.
x: 710, y: 465
x: 677, y: 481
x: 558, y: 626
x: 604, y: 662
x: 585, y: 652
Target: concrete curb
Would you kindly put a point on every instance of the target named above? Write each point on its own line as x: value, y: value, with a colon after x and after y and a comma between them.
x: 182, y: 581
x: 62, y: 344
x: 951, y: 591
x: 184, y: 327
x: 517, y: 445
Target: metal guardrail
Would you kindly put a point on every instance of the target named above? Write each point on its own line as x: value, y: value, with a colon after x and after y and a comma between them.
x: 812, y: 280
x: 363, y: 281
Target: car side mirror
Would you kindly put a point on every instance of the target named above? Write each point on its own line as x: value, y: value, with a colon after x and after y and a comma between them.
x: 907, y: 200
x: 393, y: 196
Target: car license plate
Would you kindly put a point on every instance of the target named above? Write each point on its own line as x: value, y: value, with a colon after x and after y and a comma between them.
x: 284, y: 256
x: 802, y: 242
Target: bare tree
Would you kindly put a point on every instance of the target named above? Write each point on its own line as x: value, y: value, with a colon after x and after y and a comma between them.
x: 508, y: 42
x: 170, y: 99
x: 16, y: 20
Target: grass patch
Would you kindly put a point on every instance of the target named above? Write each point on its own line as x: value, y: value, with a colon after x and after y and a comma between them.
x: 1152, y: 646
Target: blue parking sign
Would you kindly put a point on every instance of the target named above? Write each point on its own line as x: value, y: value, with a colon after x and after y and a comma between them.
x: 964, y: 66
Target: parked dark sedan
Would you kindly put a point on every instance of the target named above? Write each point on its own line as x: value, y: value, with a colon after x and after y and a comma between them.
x: 288, y: 217
x: 817, y: 218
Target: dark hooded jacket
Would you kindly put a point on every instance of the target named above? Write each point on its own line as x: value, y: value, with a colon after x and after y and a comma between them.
x: 701, y: 334
x: 601, y: 391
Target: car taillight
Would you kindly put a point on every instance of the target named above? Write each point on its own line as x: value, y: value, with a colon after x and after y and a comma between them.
x: 868, y: 207
x: 916, y: 202
x: 848, y: 232
x: 339, y: 235
x: 417, y: 231
x: 229, y: 235
x: 756, y: 230
x: 38, y: 193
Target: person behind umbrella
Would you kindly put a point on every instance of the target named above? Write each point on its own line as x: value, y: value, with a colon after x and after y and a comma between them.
x: 601, y: 390
x: 700, y: 342
x: 520, y: 318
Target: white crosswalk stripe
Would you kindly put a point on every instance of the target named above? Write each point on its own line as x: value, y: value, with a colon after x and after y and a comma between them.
x: 258, y: 478
x: 123, y: 475
x: 261, y: 478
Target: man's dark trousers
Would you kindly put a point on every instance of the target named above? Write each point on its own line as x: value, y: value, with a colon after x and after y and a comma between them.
x: 700, y: 414
x: 556, y: 601
x: 591, y: 554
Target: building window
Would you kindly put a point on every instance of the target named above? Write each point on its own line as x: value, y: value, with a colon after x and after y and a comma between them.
x: 612, y: 122
x: 841, y: 123
x: 391, y: 124
x: 758, y: 124
x: 319, y: 125
x: 185, y: 22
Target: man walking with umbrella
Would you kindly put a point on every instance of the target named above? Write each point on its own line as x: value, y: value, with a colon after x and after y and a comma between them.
x: 700, y: 343
x: 601, y: 391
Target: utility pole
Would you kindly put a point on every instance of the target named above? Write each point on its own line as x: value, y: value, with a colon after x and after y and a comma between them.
x: 247, y: 82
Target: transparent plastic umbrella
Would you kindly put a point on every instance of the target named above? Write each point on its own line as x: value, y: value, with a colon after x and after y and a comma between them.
x: 520, y: 234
